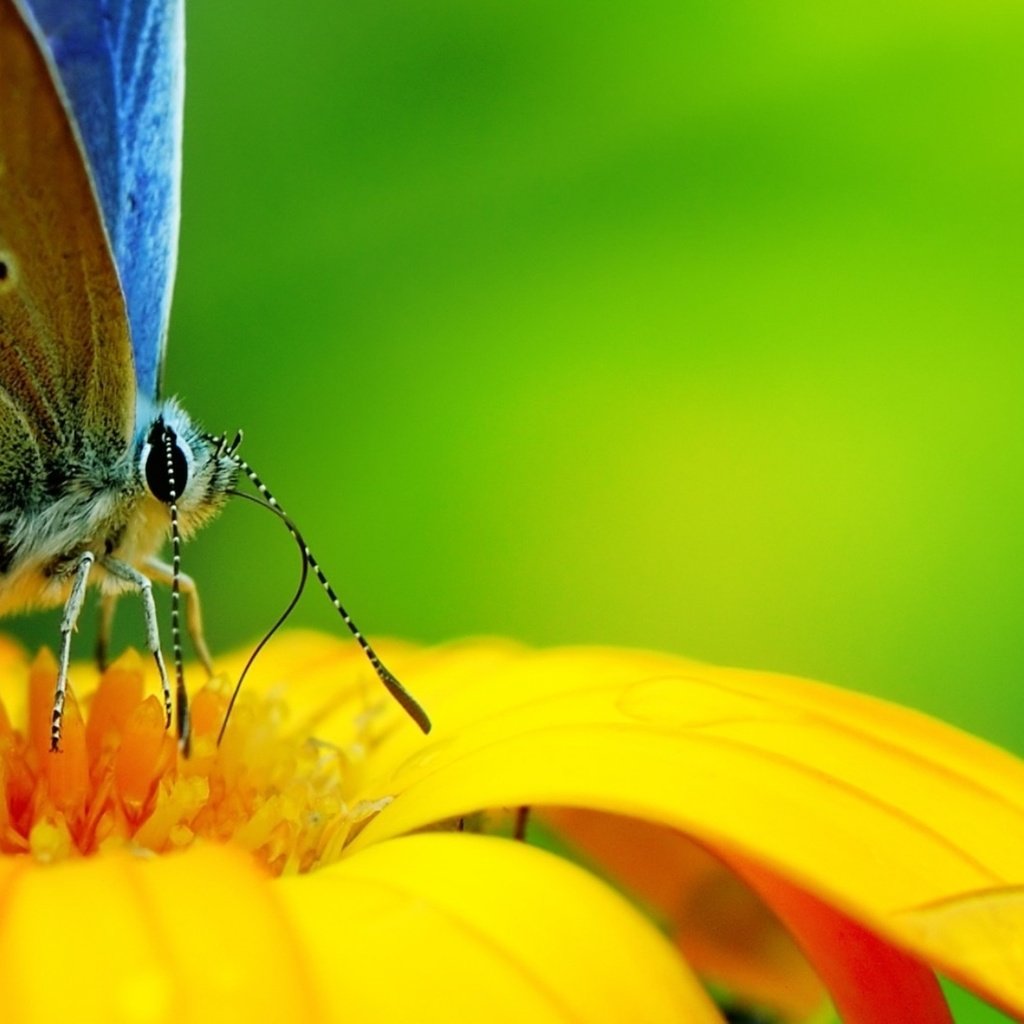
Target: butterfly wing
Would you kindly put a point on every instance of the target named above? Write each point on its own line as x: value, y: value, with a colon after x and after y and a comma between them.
x: 121, y: 69
x: 68, y: 390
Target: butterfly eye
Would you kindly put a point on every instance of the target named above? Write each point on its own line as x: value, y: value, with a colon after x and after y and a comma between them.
x: 6, y: 272
x: 166, y: 465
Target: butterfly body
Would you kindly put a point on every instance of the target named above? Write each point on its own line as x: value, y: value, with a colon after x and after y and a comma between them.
x: 96, y: 471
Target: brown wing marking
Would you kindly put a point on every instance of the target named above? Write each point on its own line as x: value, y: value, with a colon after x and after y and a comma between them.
x: 65, y: 353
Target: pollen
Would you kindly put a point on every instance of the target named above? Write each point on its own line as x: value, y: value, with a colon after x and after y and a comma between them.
x: 120, y: 781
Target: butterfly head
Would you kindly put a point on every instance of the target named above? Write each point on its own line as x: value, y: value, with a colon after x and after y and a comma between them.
x: 184, y: 468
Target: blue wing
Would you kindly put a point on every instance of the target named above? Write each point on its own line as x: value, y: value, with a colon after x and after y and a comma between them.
x: 121, y: 68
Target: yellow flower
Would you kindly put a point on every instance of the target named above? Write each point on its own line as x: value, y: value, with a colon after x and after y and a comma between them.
x: 318, y: 865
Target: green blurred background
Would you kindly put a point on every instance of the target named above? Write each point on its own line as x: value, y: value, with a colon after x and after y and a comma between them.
x: 688, y: 325
x: 679, y: 324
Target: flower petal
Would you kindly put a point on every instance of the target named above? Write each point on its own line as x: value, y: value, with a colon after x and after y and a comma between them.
x: 870, y: 981
x: 460, y: 927
x: 907, y: 825
x: 193, y: 937
x: 724, y: 931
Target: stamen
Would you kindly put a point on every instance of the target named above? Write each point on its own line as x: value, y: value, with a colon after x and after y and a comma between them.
x: 121, y: 780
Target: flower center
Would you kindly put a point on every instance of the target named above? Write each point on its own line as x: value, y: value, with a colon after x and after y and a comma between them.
x: 119, y: 779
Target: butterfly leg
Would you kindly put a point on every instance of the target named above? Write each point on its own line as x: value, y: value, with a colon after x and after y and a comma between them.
x: 68, y: 622
x: 108, y: 602
x: 135, y: 579
x: 160, y: 572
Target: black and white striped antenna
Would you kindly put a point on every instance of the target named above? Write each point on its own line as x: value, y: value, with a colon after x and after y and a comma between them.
x: 181, y: 695
x: 405, y: 699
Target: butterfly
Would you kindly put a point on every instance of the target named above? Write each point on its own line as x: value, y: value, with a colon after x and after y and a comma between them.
x: 97, y: 470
